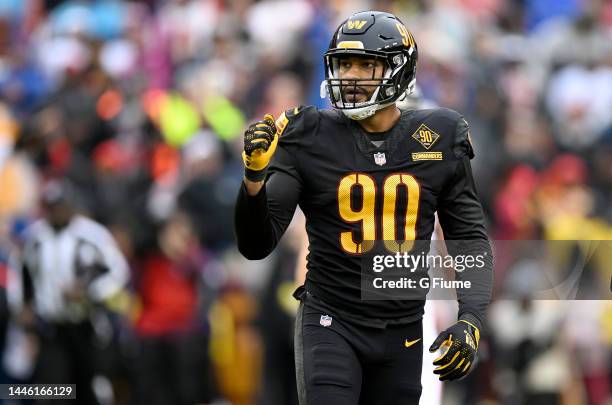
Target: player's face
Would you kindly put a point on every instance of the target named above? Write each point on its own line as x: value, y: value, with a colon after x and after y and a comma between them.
x: 358, y: 67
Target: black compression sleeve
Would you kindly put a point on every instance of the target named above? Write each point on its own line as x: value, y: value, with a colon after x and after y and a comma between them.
x: 462, y: 221
x: 261, y: 220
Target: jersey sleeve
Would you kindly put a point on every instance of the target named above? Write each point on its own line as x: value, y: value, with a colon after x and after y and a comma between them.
x: 292, y: 126
x: 117, y: 275
x: 463, y: 142
x: 462, y: 219
x: 261, y: 220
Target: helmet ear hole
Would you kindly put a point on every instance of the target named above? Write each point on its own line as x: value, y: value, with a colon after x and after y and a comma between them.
x: 323, y: 89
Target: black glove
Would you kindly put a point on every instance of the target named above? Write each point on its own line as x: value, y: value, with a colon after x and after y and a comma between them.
x: 460, y: 344
x: 260, y: 141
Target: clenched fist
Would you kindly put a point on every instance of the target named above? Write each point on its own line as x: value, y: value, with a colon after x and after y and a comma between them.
x: 260, y: 141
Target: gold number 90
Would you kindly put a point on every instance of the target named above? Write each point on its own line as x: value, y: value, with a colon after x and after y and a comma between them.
x: 366, y: 215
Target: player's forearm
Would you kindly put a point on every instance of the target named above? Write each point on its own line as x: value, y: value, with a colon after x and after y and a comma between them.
x: 474, y: 301
x: 255, y: 235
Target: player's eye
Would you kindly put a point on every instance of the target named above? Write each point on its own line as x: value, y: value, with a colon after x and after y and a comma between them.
x: 368, y: 65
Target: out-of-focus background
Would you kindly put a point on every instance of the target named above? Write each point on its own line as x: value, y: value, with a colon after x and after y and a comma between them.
x: 130, y: 113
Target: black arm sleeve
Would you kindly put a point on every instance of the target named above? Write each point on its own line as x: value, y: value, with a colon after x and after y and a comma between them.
x: 261, y: 220
x: 462, y: 220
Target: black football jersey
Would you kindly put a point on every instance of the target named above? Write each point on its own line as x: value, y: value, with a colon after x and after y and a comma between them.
x: 354, y: 188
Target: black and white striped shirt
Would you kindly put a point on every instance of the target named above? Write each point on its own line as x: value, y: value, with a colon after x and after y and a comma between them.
x: 81, y: 255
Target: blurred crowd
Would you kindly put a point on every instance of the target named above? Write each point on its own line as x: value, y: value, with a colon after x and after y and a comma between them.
x: 139, y: 106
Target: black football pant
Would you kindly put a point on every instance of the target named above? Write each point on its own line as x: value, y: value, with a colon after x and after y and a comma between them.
x: 342, y: 363
x: 66, y: 356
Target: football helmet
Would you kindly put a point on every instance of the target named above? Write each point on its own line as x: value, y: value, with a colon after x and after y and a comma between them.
x: 380, y: 36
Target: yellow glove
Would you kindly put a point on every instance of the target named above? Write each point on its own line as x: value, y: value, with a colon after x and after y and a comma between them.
x: 260, y: 141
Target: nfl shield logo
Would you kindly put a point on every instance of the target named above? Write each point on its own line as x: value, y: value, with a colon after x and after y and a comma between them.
x: 380, y: 159
x: 325, y: 320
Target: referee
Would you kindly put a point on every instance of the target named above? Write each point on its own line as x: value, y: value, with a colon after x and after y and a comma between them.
x: 69, y: 264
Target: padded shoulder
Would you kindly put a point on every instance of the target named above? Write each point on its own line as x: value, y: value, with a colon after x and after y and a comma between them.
x: 449, y: 122
x: 296, y: 124
x: 463, y: 141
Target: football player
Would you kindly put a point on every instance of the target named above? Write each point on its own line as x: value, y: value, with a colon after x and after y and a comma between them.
x: 361, y: 172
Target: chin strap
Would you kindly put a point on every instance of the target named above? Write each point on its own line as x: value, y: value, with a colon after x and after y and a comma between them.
x: 362, y: 113
x: 359, y: 113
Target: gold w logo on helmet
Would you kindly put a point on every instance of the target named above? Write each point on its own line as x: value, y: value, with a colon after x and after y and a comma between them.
x: 355, y: 25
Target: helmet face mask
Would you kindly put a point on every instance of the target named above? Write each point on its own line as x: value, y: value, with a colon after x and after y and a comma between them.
x: 378, y: 37
x: 380, y: 86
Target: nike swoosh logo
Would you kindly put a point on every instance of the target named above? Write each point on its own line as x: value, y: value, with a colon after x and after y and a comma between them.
x: 409, y: 343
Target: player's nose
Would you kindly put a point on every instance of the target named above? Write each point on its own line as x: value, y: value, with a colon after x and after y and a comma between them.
x: 353, y: 73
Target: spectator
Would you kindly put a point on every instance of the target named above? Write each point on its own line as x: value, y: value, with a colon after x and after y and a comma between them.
x: 173, y: 365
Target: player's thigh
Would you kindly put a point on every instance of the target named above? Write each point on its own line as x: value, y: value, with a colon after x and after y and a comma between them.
x: 397, y: 379
x: 327, y: 368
